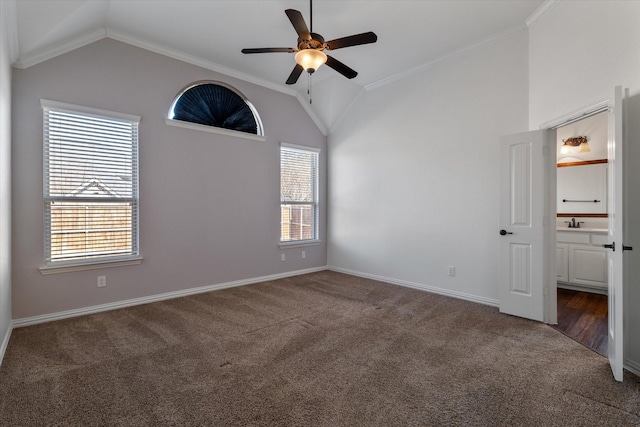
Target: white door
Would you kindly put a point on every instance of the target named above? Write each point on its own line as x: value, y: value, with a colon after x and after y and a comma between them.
x: 615, y: 245
x: 527, y: 243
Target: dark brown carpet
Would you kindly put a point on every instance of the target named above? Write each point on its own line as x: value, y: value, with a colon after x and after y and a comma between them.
x: 324, y: 349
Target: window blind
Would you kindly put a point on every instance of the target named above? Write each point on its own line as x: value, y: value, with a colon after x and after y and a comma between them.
x: 298, y: 193
x: 218, y: 105
x: 90, y: 184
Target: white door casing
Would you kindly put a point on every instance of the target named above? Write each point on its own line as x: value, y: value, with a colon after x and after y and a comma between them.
x: 527, y: 242
x: 615, y: 256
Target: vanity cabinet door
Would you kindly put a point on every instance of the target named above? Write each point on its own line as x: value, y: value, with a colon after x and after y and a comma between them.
x: 562, y: 262
x: 588, y: 266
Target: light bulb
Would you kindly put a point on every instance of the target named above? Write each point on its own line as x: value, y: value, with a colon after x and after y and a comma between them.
x: 310, y: 59
x: 584, y: 148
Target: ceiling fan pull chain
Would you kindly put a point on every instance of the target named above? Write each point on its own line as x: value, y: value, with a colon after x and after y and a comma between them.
x: 309, y: 86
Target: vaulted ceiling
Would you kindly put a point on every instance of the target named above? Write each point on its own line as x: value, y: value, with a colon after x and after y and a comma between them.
x: 411, y: 35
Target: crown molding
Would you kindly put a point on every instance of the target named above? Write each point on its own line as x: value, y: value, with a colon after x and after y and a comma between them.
x: 52, y: 51
x: 539, y: 12
x: 209, y: 65
x: 61, y: 48
x: 195, y: 60
x: 420, y: 68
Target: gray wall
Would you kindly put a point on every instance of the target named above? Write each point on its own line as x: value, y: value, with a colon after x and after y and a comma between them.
x: 5, y: 184
x: 209, y: 204
x: 414, y: 172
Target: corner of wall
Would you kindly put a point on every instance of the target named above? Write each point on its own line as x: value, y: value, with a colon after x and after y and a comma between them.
x: 5, y: 182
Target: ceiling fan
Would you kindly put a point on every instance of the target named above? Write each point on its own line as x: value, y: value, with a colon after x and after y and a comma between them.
x: 310, y: 51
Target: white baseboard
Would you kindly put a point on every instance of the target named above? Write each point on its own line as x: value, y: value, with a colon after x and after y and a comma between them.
x: 629, y: 365
x: 27, y: 321
x: 582, y: 288
x: 419, y: 286
x: 632, y: 367
x: 5, y: 342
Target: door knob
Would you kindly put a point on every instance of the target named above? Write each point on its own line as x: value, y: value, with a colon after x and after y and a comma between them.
x: 504, y: 232
x: 611, y: 246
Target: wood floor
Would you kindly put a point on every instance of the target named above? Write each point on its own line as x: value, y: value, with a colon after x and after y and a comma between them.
x: 582, y: 316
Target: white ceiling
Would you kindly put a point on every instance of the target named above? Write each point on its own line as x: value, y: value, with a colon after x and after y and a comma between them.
x: 411, y: 34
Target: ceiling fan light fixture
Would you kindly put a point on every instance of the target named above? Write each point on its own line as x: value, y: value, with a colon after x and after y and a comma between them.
x: 310, y: 59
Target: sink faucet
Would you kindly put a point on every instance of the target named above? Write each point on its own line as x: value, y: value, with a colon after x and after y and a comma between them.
x: 573, y: 223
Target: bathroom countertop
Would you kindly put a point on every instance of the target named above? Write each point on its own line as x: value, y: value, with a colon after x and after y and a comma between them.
x: 583, y: 229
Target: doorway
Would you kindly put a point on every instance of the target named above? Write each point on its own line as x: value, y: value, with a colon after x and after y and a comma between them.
x: 581, y: 230
x: 528, y: 214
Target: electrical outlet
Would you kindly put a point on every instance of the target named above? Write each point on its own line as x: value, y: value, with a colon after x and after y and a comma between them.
x: 304, y: 254
x: 282, y: 257
x: 452, y: 270
x: 102, y: 281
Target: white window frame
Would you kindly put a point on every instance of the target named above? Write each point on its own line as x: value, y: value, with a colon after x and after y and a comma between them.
x: 316, y: 197
x: 91, y: 260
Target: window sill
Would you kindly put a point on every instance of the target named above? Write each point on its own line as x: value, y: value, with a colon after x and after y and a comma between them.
x: 67, y: 268
x: 299, y: 243
x: 213, y: 129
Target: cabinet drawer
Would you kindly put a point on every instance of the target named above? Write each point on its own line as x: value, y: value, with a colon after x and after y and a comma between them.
x: 572, y: 237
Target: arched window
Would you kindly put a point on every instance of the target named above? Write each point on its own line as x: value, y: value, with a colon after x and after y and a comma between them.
x: 216, y: 104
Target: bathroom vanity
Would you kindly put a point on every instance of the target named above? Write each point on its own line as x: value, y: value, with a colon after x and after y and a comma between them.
x: 581, y: 261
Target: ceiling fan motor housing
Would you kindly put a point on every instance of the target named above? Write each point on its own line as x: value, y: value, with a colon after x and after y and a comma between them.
x: 316, y: 42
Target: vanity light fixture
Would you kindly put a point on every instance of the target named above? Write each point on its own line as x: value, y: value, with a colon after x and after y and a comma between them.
x: 576, y: 141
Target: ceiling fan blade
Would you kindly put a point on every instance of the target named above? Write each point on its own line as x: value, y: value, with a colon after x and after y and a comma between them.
x: 295, y: 74
x: 269, y: 50
x: 341, y: 68
x: 298, y: 23
x: 356, y: 39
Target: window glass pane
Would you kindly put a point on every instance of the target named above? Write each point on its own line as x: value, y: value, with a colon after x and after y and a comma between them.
x: 297, y: 176
x: 91, y: 185
x: 90, y: 229
x: 298, y: 194
x: 297, y: 222
x: 89, y: 156
x: 217, y: 105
